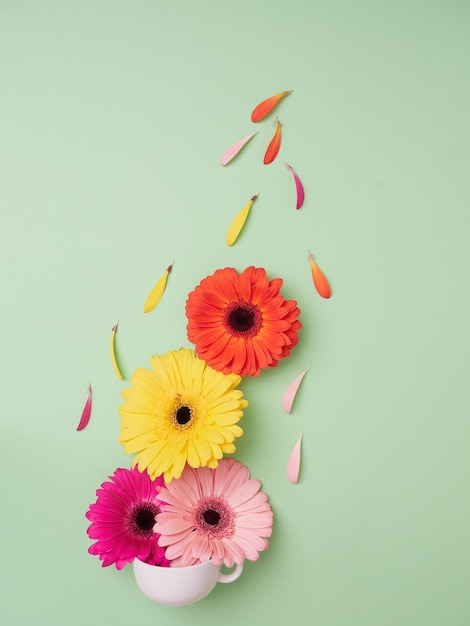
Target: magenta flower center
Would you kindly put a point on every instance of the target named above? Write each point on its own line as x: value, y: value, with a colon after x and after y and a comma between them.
x: 243, y: 319
x: 213, y: 516
x: 141, y: 519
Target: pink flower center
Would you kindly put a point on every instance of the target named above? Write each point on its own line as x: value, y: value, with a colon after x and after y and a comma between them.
x: 141, y: 519
x: 214, y: 517
x: 243, y: 319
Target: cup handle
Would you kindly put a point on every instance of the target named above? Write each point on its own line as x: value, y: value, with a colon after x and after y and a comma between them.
x: 229, y: 578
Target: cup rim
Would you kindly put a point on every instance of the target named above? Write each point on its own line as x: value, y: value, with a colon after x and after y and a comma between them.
x: 167, y: 567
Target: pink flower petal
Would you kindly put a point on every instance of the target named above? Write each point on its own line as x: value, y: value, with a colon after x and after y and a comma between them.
x: 175, y: 524
x: 293, y: 464
x: 245, y: 493
x: 289, y: 394
x: 201, y: 548
x: 234, y: 149
x: 232, y: 551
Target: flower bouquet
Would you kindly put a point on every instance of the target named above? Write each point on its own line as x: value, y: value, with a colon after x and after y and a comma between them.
x: 183, y: 503
x: 185, y: 508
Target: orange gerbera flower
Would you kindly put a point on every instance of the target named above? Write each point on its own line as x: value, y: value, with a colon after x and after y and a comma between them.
x: 240, y: 323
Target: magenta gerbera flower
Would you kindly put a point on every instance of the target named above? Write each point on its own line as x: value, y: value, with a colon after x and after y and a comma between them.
x: 122, y: 520
x: 217, y: 514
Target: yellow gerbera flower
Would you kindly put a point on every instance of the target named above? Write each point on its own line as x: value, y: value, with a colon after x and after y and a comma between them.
x: 181, y: 411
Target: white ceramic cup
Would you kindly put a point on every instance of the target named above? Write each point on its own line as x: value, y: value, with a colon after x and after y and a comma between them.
x: 176, y: 586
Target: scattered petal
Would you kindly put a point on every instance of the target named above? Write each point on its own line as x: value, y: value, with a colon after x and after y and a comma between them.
x: 293, y: 464
x: 298, y: 187
x: 86, y: 413
x: 274, y: 145
x: 265, y: 107
x: 156, y: 294
x: 236, y: 226
x: 289, y: 394
x: 234, y: 149
x: 113, y: 352
x: 319, y: 279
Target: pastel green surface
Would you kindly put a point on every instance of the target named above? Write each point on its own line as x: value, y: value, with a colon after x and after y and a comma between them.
x: 113, y: 118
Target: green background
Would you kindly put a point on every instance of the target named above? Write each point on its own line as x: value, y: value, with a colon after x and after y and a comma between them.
x: 113, y: 118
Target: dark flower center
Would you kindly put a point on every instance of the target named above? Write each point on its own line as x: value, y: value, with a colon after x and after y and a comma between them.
x: 183, y: 415
x: 243, y: 319
x: 145, y: 519
x: 141, y: 519
x: 211, y: 517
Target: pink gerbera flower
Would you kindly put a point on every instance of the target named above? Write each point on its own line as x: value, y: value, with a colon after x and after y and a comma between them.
x: 217, y: 514
x: 122, y: 520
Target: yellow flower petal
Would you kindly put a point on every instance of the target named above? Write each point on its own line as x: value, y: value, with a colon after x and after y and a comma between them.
x: 237, y: 224
x: 193, y: 456
x: 157, y: 291
x: 203, y: 449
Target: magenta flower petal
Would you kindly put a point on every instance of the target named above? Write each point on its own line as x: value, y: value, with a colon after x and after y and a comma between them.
x: 122, y: 520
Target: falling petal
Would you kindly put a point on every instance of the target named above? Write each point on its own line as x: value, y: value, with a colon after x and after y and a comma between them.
x: 236, y: 226
x: 265, y: 107
x: 113, y: 353
x: 289, y: 394
x: 298, y: 187
x: 274, y: 145
x: 234, y: 149
x: 293, y: 464
x: 319, y: 279
x: 86, y: 413
x: 156, y: 294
